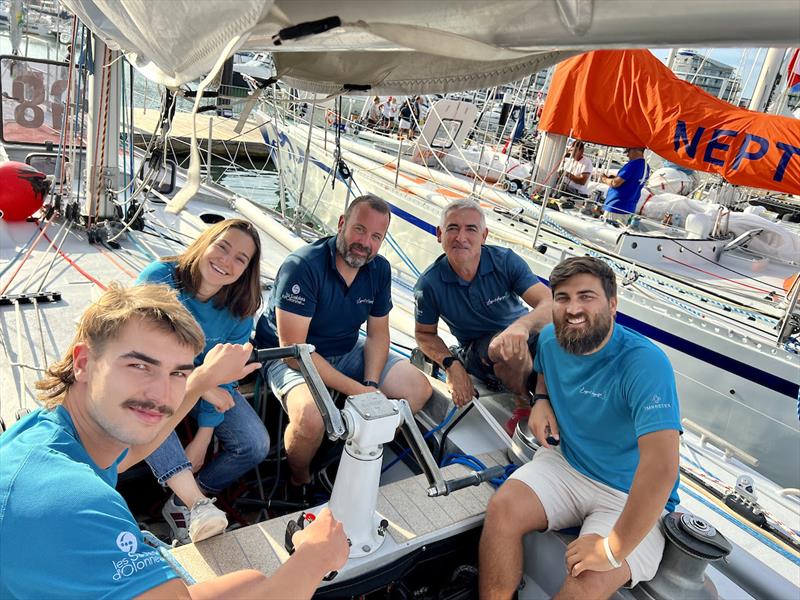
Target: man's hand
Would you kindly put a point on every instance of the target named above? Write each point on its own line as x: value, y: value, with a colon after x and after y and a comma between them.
x: 460, y: 384
x: 510, y: 343
x: 224, y: 363
x: 542, y: 422
x: 587, y: 554
x: 325, y: 538
x: 219, y: 398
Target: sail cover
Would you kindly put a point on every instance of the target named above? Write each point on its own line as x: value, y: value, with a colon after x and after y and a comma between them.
x: 628, y: 98
x: 417, y: 46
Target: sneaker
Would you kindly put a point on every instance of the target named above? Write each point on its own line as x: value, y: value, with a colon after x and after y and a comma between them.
x: 517, y: 415
x: 177, y: 517
x: 206, y: 520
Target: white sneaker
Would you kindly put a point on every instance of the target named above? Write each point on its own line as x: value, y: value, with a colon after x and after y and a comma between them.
x: 177, y: 517
x: 206, y: 520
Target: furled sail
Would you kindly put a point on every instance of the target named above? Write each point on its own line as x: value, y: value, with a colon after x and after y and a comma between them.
x: 415, y: 46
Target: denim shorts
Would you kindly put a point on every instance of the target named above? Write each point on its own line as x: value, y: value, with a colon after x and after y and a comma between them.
x: 282, y: 378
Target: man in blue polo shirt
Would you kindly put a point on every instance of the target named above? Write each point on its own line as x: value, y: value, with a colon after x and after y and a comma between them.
x: 323, y: 294
x: 608, y: 394
x: 121, y: 387
x: 476, y: 290
x: 625, y: 188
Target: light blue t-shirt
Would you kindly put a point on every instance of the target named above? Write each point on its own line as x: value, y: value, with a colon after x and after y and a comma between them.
x: 219, y: 325
x: 472, y: 309
x: 308, y: 284
x: 605, y: 401
x: 65, y: 532
x: 623, y: 199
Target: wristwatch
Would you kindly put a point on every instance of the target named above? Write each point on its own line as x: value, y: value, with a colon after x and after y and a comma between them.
x: 537, y: 397
x: 370, y: 383
x: 448, y: 361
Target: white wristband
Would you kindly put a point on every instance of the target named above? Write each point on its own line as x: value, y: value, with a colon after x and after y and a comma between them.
x: 610, y: 555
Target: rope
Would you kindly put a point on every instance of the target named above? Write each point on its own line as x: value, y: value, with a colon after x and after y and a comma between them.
x: 77, y: 268
x: 27, y: 254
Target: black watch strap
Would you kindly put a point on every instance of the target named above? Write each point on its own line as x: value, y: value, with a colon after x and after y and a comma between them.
x: 448, y: 361
x: 537, y: 397
x: 370, y: 383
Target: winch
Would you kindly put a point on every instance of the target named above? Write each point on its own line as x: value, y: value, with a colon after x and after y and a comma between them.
x: 692, y: 543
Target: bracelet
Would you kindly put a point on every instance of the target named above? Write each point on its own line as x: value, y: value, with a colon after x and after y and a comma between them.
x: 537, y: 397
x: 610, y: 555
x: 370, y: 383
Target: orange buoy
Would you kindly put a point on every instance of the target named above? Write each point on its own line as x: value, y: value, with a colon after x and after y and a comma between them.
x: 22, y: 190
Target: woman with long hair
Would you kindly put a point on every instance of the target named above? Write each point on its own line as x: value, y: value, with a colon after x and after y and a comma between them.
x: 217, y: 278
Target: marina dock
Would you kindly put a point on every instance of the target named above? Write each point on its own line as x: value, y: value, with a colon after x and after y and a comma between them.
x: 225, y: 141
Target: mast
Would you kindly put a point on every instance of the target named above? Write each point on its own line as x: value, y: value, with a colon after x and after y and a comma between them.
x: 102, y: 133
x: 766, y: 79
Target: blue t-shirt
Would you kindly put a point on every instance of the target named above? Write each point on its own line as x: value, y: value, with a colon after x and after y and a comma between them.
x: 472, y: 309
x: 308, y: 284
x: 219, y: 325
x: 623, y: 199
x: 605, y: 401
x: 64, y: 530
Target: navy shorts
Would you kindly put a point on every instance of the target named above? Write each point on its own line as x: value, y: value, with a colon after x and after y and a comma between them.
x: 475, y: 356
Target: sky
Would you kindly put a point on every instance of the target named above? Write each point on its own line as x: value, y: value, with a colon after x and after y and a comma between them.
x: 740, y: 58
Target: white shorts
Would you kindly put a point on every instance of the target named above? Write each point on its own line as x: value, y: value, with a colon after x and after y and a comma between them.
x: 571, y: 499
x: 405, y: 124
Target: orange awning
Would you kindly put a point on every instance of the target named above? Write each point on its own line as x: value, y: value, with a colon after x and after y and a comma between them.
x: 627, y: 98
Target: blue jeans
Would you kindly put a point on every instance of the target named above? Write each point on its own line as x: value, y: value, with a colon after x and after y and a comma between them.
x: 245, y: 444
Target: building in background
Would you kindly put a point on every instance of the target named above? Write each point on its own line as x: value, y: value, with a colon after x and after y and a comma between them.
x: 716, y: 78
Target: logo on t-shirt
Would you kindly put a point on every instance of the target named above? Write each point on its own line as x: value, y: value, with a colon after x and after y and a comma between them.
x: 127, y: 542
x: 591, y: 393
x: 294, y: 297
x: 365, y: 301
x: 135, y: 561
x: 498, y: 299
x: 656, y: 403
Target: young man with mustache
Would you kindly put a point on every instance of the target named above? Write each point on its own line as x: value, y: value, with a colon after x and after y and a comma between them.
x: 478, y: 291
x: 127, y: 379
x: 608, y: 394
x: 323, y: 294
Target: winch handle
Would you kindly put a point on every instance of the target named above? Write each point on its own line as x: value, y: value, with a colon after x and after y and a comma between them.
x: 331, y: 416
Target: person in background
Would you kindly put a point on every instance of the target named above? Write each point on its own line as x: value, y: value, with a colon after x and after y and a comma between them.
x: 218, y: 279
x: 374, y: 112
x: 606, y: 396
x: 478, y: 291
x: 625, y: 188
x: 121, y: 387
x: 406, y: 120
x: 576, y: 170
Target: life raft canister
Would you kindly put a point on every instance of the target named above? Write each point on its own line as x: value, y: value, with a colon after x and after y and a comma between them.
x: 22, y: 190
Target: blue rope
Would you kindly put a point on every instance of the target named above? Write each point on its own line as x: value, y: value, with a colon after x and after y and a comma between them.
x: 475, y: 464
x: 407, y: 451
x: 141, y: 248
x: 166, y: 553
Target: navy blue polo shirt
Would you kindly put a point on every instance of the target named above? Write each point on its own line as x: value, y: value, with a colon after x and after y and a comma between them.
x: 472, y: 309
x: 308, y: 284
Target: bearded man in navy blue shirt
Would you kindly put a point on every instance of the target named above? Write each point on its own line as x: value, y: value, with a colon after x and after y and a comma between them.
x: 323, y: 294
x: 478, y: 290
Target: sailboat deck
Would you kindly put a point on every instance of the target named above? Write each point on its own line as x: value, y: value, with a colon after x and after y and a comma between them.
x: 404, y: 504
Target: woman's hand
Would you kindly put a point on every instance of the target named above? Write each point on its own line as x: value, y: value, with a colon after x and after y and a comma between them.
x: 219, y: 398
